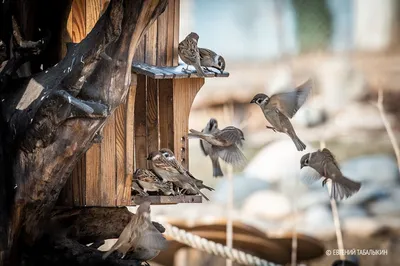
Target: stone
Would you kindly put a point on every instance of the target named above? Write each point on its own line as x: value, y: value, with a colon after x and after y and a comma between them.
x: 367, y: 193
x: 242, y: 188
x: 363, y: 226
x: 388, y: 207
x: 346, y: 211
x: 312, y: 198
x: 279, y: 164
x: 379, y: 168
x: 318, y: 222
x: 267, y: 205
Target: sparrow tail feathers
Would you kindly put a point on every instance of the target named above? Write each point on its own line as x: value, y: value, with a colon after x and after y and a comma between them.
x: 344, y: 188
x: 299, y: 144
x: 217, y: 172
x: 199, y: 70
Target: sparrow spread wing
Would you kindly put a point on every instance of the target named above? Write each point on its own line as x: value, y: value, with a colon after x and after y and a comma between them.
x: 152, y: 239
x: 232, y: 155
x: 328, y: 155
x: 309, y: 175
x: 290, y: 102
x: 204, y: 53
x: 231, y: 134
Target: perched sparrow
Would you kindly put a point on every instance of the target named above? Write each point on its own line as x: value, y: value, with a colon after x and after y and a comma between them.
x: 137, y: 188
x: 150, y: 182
x: 280, y: 107
x: 325, y: 165
x: 209, y: 58
x: 189, y: 52
x: 167, y: 167
x: 220, y: 144
x: 140, y: 234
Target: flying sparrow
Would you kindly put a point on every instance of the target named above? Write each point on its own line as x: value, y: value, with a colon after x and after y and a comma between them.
x: 167, y: 167
x: 138, y: 189
x: 189, y: 53
x: 323, y: 164
x: 209, y: 58
x: 139, y: 234
x: 150, y: 182
x: 280, y: 107
x: 222, y: 144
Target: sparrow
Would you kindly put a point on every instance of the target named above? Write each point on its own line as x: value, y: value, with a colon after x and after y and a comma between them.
x: 150, y: 182
x: 209, y: 58
x: 323, y: 164
x: 222, y: 144
x: 139, y: 234
x: 167, y: 167
x: 189, y: 53
x: 137, y: 188
x: 280, y: 107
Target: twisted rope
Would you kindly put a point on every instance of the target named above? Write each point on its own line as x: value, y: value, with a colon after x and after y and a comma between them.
x: 211, y: 247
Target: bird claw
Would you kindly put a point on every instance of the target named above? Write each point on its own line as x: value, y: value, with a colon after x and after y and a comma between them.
x: 324, y: 182
x: 271, y: 128
x: 145, y: 263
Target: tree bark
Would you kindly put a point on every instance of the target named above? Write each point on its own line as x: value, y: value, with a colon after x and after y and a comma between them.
x: 50, y: 119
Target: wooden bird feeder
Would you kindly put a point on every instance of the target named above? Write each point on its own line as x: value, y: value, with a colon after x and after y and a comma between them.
x: 155, y: 115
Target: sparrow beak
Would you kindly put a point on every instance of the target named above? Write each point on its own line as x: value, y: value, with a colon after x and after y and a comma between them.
x: 149, y: 157
x: 253, y: 101
x: 301, y: 166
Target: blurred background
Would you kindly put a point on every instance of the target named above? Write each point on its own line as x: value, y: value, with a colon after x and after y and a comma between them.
x: 351, y: 49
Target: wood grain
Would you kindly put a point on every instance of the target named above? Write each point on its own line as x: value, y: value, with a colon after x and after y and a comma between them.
x: 93, y: 10
x: 140, y: 124
x: 151, y: 45
x: 92, y: 176
x: 124, y: 194
x: 176, y: 32
x: 108, y: 163
x: 76, y: 27
x: 184, y: 92
x: 166, y: 114
x: 152, y: 116
x: 170, y: 12
x: 78, y: 20
x: 162, y: 38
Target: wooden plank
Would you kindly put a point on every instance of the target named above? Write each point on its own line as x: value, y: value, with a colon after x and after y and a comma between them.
x: 151, y: 45
x: 184, y: 92
x: 140, y: 123
x: 162, y: 200
x: 152, y: 116
x: 93, y: 10
x: 176, y: 32
x: 166, y: 116
x: 162, y: 38
x: 150, y: 71
x: 170, y: 11
x: 140, y: 51
x: 125, y: 198
x: 78, y: 20
x: 108, y: 164
x: 92, y: 177
x: 159, y: 72
x: 120, y: 140
x: 98, y: 162
x: 77, y: 30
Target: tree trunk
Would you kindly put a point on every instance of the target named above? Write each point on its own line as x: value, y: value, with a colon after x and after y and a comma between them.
x: 50, y: 118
